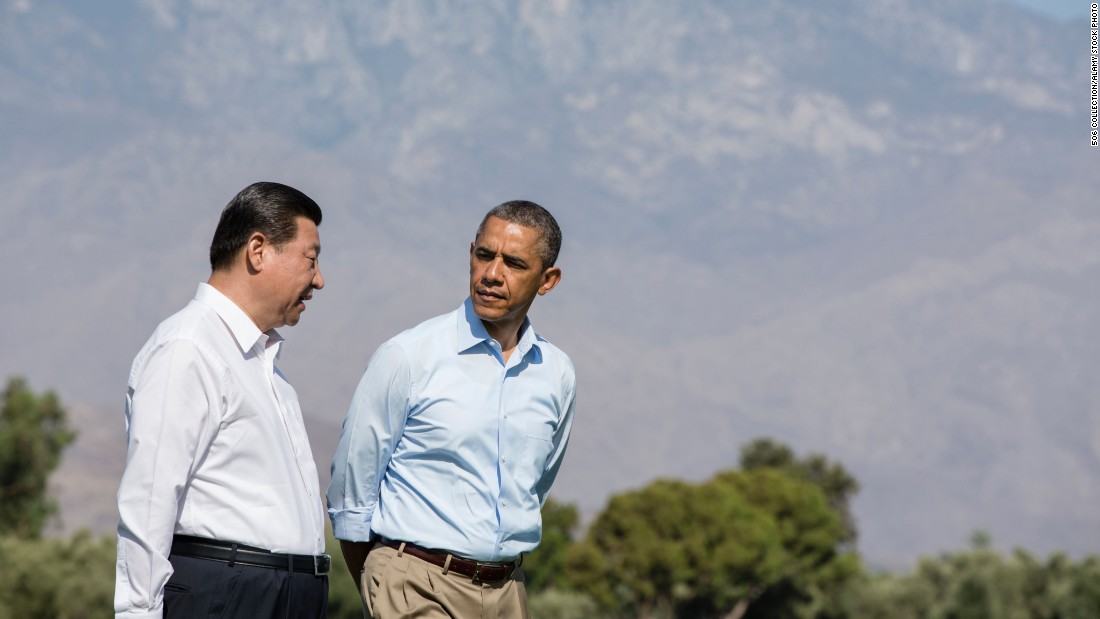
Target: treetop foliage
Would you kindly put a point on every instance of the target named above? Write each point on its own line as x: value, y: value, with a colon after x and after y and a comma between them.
x: 764, y: 540
x: 833, y: 478
x: 34, y: 431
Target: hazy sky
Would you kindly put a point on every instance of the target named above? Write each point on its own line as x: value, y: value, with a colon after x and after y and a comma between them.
x: 1060, y: 9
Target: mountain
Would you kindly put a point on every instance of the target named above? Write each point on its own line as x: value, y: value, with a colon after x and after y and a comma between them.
x: 865, y: 228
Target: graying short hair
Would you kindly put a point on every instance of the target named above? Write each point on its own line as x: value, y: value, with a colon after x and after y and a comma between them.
x: 530, y: 215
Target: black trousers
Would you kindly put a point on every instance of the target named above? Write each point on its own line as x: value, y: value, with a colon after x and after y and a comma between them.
x: 205, y: 588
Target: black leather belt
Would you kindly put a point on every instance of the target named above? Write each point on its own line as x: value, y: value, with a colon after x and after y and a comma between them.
x: 231, y: 553
x: 478, y: 571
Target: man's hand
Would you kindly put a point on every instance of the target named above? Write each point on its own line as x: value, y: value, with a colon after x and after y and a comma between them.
x: 355, y: 555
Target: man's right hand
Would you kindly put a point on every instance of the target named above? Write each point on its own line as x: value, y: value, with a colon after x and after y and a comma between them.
x: 355, y: 555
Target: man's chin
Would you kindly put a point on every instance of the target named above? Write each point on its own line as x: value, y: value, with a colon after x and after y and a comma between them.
x: 488, y: 314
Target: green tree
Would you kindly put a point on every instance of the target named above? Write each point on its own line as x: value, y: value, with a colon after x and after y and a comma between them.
x: 1082, y: 596
x: 34, y: 430
x: 811, y: 535
x: 881, y: 596
x: 543, y: 568
x: 834, y: 480
x: 746, y: 543
x: 59, y: 578
x: 587, y: 571
x: 556, y: 604
x: 977, y: 583
x: 674, y: 546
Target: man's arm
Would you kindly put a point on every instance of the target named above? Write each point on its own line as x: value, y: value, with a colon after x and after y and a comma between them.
x: 374, y: 425
x: 355, y: 555
x: 173, y: 410
x: 560, y: 438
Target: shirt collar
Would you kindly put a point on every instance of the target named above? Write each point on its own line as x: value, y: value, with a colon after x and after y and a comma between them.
x: 245, y: 332
x: 471, y: 331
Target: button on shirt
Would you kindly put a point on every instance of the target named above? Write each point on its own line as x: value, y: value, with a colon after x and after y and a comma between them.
x: 447, y: 446
x: 216, y: 448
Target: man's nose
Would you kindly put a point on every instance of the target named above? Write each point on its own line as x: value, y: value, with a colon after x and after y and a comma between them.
x: 491, y: 272
x: 318, y: 279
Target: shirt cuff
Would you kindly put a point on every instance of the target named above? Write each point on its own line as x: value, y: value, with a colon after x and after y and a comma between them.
x: 150, y: 614
x: 351, y: 525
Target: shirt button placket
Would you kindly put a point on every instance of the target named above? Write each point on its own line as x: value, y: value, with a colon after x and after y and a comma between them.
x: 502, y: 445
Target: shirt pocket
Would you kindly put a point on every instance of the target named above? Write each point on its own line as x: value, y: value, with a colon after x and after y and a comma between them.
x: 538, y: 431
x: 538, y: 442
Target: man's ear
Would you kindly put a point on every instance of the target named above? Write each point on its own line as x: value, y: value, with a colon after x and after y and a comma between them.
x: 254, y: 249
x: 550, y: 278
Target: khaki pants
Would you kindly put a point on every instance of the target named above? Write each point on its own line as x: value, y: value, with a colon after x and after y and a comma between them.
x: 399, y: 587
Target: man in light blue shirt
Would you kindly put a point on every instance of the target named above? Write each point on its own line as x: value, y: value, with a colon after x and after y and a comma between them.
x: 454, y: 436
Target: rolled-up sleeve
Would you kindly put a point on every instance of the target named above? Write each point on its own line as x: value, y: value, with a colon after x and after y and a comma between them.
x: 374, y: 424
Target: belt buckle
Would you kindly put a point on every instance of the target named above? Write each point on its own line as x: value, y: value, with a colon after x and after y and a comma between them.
x: 477, y: 571
x: 321, y: 564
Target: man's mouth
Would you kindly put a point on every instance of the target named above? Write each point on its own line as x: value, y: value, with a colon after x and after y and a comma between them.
x: 485, y: 294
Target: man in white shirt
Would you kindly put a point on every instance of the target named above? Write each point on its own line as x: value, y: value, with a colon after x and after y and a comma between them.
x: 219, y: 504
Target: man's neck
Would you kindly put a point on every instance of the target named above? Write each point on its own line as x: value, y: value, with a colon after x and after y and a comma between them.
x: 506, y: 334
x: 226, y: 284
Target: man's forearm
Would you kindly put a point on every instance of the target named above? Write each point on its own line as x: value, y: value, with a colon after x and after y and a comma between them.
x: 355, y: 555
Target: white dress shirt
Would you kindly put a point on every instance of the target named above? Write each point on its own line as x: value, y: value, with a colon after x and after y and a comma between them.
x: 216, y: 447
x: 448, y: 446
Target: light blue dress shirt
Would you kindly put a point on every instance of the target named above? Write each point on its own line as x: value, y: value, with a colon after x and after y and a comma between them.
x: 447, y: 446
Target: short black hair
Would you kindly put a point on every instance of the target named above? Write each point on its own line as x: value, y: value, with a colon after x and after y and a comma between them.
x: 272, y: 209
x: 530, y: 215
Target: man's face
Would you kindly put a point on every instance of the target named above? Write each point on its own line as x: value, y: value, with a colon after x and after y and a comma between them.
x: 294, y: 274
x: 506, y: 272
